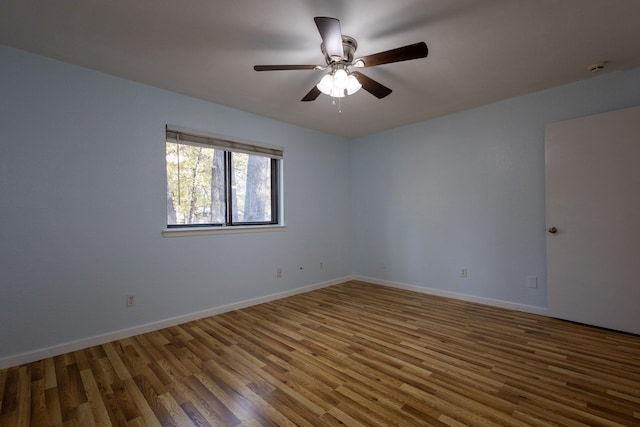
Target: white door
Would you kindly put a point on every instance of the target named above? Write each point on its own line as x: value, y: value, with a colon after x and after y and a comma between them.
x: 593, y: 201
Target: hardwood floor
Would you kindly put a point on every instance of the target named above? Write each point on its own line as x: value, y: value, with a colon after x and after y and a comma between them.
x: 351, y: 354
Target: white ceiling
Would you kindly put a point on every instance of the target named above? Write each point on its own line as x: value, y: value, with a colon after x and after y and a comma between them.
x: 480, y: 51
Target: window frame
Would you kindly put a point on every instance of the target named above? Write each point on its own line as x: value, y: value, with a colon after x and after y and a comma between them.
x: 275, y: 154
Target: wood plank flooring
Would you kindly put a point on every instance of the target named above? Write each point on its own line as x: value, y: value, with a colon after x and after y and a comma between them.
x: 353, y: 354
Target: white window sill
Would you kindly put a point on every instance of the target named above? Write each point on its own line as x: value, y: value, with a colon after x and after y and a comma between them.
x: 202, y: 231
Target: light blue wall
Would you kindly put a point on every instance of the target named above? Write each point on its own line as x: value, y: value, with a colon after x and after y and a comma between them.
x: 82, y: 206
x: 82, y: 202
x: 467, y: 191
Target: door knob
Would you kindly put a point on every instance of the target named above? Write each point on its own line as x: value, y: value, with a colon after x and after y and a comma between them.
x: 553, y: 230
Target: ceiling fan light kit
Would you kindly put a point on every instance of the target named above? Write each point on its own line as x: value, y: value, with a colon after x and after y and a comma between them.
x: 338, y: 51
x: 338, y: 83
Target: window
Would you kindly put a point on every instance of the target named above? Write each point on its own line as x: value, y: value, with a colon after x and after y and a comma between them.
x: 216, y: 182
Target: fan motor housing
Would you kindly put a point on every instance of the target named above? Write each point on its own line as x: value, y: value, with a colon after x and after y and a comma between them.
x: 349, y: 46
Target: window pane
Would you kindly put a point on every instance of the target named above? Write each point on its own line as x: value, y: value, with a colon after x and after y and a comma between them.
x: 250, y: 188
x: 195, y: 185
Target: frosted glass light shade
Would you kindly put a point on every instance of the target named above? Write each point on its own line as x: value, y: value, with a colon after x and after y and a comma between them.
x: 326, y: 84
x: 340, y: 79
x: 337, y: 93
x: 353, y: 85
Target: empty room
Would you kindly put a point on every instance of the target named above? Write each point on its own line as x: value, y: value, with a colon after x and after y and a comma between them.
x: 319, y: 213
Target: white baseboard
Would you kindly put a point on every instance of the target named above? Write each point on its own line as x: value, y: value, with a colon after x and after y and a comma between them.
x: 455, y: 295
x: 80, y: 344
x: 83, y: 343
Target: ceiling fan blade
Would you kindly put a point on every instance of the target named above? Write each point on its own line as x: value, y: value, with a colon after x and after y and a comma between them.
x: 373, y: 87
x: 312, y: 95
x: 405, y: 53
x: 284, y: 67
x: 331, y: 34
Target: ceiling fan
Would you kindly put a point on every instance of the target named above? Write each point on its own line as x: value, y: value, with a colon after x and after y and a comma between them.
x: 338, y: 51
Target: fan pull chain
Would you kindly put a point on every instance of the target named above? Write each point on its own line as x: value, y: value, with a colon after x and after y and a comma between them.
x: 333, y: 102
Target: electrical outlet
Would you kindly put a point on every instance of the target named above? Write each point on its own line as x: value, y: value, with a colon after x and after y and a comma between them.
x: 463, y: 272
x: 532, y: 282
x: 321, y: 265
x: 279, y: 272
x: 131, y: 300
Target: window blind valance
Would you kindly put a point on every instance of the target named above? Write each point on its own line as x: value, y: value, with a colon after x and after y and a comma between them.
x: 179, y: 135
